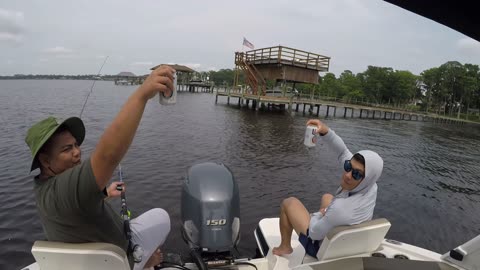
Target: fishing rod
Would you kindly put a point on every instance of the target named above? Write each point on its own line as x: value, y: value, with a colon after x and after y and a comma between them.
x: 125, y: 213
x: 93, y: 85
x: 136, y: 250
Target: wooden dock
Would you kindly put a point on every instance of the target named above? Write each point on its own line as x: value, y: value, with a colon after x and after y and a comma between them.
x: 313, y: 107
x: 288, y: 65
x: 186, y: 82
x: 195, y: 87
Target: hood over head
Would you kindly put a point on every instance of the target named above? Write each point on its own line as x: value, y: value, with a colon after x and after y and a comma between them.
x: 373, y: 171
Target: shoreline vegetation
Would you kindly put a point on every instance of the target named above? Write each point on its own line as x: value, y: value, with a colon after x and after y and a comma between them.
x: 451, y: 90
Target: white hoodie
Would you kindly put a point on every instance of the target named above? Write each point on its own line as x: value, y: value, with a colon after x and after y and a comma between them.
x: 348, y: 207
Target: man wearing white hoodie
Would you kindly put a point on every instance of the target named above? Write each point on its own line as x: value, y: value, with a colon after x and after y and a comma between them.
x: 353, y: 202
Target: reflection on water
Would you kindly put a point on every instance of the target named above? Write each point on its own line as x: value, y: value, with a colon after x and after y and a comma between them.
x: 429, y: 189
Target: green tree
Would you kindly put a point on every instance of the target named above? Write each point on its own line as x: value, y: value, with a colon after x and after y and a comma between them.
x: 329, y: 86
x: 452, y: 84
x: 472, y: 85
x: 432, y: 85
x: 351, y: 86
x: 375, y: 81
x: 402, y: 88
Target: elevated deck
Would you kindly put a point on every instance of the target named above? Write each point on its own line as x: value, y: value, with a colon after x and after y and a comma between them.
x: 287, y: 56
x: 279, y: 64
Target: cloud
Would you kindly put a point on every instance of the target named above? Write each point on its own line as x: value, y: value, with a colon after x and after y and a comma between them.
x: 61, y: 52
x: 67, y: 56
x: 142, y: 63
x: 58, y: 50
x: 354, y: 33
x: 468, y: 46
x: 10, y: 37
x: 11, y: 25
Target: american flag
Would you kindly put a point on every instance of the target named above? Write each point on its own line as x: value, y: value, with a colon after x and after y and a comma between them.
x: 248, y: 44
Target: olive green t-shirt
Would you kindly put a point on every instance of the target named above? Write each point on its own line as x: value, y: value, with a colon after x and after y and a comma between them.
x: 73, y: 210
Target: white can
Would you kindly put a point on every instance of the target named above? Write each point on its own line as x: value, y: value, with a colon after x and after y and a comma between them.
x: 310, y: 136
x: 172, y: 99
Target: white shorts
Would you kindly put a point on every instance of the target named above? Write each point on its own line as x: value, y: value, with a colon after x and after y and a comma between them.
x: 149, y: 231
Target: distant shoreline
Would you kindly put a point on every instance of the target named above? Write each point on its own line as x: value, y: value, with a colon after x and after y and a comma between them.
x: 59, y: 77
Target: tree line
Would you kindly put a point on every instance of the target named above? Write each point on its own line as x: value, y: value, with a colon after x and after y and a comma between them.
x: 451, y: 89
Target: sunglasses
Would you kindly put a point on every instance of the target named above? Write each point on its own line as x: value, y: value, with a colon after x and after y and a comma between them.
x: 356, y: 174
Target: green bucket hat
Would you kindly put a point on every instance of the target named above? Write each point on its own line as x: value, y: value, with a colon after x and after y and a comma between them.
x: 39, y: 134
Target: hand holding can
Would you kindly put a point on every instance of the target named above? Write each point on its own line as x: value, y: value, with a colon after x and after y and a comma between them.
x: 310, y: 139
x: 172, y: 98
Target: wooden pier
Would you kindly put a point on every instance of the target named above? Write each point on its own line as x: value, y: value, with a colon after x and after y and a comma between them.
x: 330, y: 109
x: 287, y: 65
x: 128, y: 78
x: 185, y: 82
x: 195, y: 87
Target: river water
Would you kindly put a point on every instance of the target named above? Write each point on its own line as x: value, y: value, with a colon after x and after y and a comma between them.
x: 429, y: 191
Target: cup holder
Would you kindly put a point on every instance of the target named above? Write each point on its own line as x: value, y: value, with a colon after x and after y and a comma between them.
x: 378, y: 255
x: 401, y: 257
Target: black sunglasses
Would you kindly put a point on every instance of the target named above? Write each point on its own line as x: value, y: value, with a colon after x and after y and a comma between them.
x: 356, y: 174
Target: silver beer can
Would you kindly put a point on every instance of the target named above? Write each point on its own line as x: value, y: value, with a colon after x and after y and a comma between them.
x: 172, y: 99
x: 311, y: 136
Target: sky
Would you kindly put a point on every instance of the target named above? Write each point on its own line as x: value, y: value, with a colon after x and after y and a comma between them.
x: 74, y: 37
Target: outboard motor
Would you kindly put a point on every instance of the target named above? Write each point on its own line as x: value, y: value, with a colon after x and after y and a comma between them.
x: 210, y: 211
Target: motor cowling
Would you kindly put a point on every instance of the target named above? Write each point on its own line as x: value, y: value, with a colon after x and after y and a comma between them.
x: 210, y: 207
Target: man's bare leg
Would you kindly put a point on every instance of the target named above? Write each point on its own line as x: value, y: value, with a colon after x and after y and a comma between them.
x: 155, y: 259
x: 293, y: 216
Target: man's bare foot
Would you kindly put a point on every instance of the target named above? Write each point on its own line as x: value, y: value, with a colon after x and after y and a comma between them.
x: 282, y: 250
x: 155, y: 259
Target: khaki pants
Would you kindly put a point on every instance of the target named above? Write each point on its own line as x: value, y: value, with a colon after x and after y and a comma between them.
x: 149, y: 231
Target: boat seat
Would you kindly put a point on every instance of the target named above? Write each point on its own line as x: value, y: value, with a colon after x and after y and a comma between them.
x: 92, y: 256
x: 342, y: 241
x: 363, y: 238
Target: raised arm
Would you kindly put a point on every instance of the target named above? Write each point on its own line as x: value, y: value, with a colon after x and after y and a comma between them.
x: 117, y: 138
x: 332, y: 140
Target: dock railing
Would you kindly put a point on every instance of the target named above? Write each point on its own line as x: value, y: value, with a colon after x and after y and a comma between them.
x: 288, y: 56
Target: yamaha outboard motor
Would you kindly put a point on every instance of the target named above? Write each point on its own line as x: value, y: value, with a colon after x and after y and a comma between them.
x: 210, y: 212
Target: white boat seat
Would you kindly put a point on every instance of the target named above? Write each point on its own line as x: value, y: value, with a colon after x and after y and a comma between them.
x: 342, y: 241
x: 92, y: 256
x: 363, y: 238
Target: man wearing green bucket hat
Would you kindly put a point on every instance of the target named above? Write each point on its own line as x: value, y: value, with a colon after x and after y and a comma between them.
x: 70, y: 193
